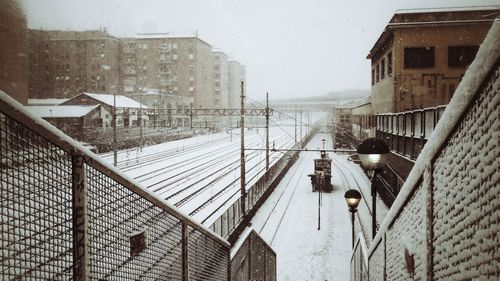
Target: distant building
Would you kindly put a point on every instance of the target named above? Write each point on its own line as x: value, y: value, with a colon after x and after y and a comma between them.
x: 165, y: 108
x: 65, y: 63
x: 175, y: 65
x: 363, y: 121
x: 221, y: 79
x: 46, y: 101
x: 237, y: 74
x: 422, y: 55
x: 128, y: 110
x: 13, y: 51
x: 71, y: 119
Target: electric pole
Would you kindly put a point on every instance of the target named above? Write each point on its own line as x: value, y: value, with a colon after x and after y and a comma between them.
x: 267, y: 131
x: 300, y: 126
x: 114, y: 130
x: 242, y: 152
x: 295, y: 122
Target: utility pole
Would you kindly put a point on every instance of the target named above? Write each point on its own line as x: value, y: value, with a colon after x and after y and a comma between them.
x: 295, y: 122
x: 115, y: 156
x: 191, y: 115
x: 242, y: 152
x: 300, y: 126
x: 140, y: 122
x: 267, y: 131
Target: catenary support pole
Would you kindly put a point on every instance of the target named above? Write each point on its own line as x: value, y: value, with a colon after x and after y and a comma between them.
x: 114, y: 131
x: 267, y: 131
x: 242, y: 152
x: 295, y: 124
x: 300, y: 121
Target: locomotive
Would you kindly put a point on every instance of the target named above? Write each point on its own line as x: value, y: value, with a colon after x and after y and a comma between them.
x: 320, y: 180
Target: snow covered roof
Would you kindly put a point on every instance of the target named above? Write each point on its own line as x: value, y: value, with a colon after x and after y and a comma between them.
x: 121, y: 101
x: 61, y: 111
x: 45, y: 101
x: 446, y: 9
x: 169, y: 36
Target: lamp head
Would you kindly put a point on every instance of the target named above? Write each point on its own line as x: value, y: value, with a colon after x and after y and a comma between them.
x: 352, y: 197
x: 373, y: 153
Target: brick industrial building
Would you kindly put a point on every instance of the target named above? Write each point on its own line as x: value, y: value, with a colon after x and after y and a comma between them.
x: 66, y: 63
x: 422, y: 55
x: 63, y: 64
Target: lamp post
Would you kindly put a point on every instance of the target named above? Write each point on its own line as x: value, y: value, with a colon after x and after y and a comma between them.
x: 352, y: 197
x: 373, y: 153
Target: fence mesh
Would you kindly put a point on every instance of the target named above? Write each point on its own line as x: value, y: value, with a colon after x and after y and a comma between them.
x: 129, y: 236
x: 35, y: 203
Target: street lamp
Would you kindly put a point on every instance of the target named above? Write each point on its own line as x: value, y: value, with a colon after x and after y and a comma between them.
x: 373, y: 153
x: 352, y: 197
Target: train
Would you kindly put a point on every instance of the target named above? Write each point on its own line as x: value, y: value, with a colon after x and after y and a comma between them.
x: 321, y: 179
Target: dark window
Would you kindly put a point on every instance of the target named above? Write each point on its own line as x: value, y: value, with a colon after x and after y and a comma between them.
x: 389, y: 63
x: 378, y: 72
x: 461, y: 56
x: 420, y: 57
x: 382, y: 69
x: 373, y: 76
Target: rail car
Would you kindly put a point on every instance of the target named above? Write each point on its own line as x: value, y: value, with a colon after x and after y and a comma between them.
x: 321, y: 179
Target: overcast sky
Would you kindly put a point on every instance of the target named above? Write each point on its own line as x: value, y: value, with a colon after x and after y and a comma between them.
x: 290, y: 48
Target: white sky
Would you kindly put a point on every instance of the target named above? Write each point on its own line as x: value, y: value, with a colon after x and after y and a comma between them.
x: 290, y: 48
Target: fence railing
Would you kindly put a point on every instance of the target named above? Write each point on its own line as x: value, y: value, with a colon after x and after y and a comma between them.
x: 441, y: 225
x: 66, y: 214
x: 359, y: 260
x: 252, y: 259
x: 407, y: 132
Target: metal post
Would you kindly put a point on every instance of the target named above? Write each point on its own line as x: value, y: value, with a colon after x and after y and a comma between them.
x: 140, y: 122
x: 374, y: 204
x: 295, y: 123
x: 191, y: 115
x: 353, y: 211
x: 267, y: 131
x: 185, y: 261
x: 242, y: 151
x: 80, y: 219
x: 300, y: 139
x: 319, y: 203
x: 115, y: 156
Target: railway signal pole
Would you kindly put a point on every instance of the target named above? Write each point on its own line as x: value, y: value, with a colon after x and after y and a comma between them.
x: 242, y: 152
x: 267, y: 131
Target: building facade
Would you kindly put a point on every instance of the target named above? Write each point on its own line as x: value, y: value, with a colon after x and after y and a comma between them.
x: 66, y: 63
x: 13, y: 51
x: 422, y: 55
x: 221, y: 79
x: 236, y: 74
x: 174, y: 65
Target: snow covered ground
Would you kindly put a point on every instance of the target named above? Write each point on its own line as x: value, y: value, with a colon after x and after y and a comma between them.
x: 288, y: 220
x: 200, y: 174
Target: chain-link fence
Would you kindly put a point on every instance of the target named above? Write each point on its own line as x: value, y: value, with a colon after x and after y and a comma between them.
x: 65, y: 214
x: 253, y: 259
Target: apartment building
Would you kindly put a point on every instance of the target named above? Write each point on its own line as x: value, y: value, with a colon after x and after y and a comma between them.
x: 66, y: 63
x: 171, y: 64
x: 422, y: 55
x: 13, y: 51
x: 221, y: 79
x: 236, y: 74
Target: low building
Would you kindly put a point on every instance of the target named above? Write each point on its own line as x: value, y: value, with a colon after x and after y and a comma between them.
x: 128, y: 111
x: 421, y: 56
x: 46, y: 101
x: 71, y: 119
x: 363, y: 121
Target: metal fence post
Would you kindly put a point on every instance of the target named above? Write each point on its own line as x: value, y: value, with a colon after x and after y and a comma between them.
x: 185, y: 237
x: 80, y: 219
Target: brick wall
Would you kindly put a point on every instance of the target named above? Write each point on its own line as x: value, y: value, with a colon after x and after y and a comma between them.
x: 444, y: 223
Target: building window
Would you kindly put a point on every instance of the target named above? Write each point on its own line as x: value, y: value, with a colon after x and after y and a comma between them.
x: 174, y: 56
x: 378, y: 72
x: 191, y: 67
x: 419, y: 57
x: 389, y: 64
x: 382, y: 69
x: 373, y: 76
x: 174, y: 46
x: 191, y: 56
x: 461, y: 56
